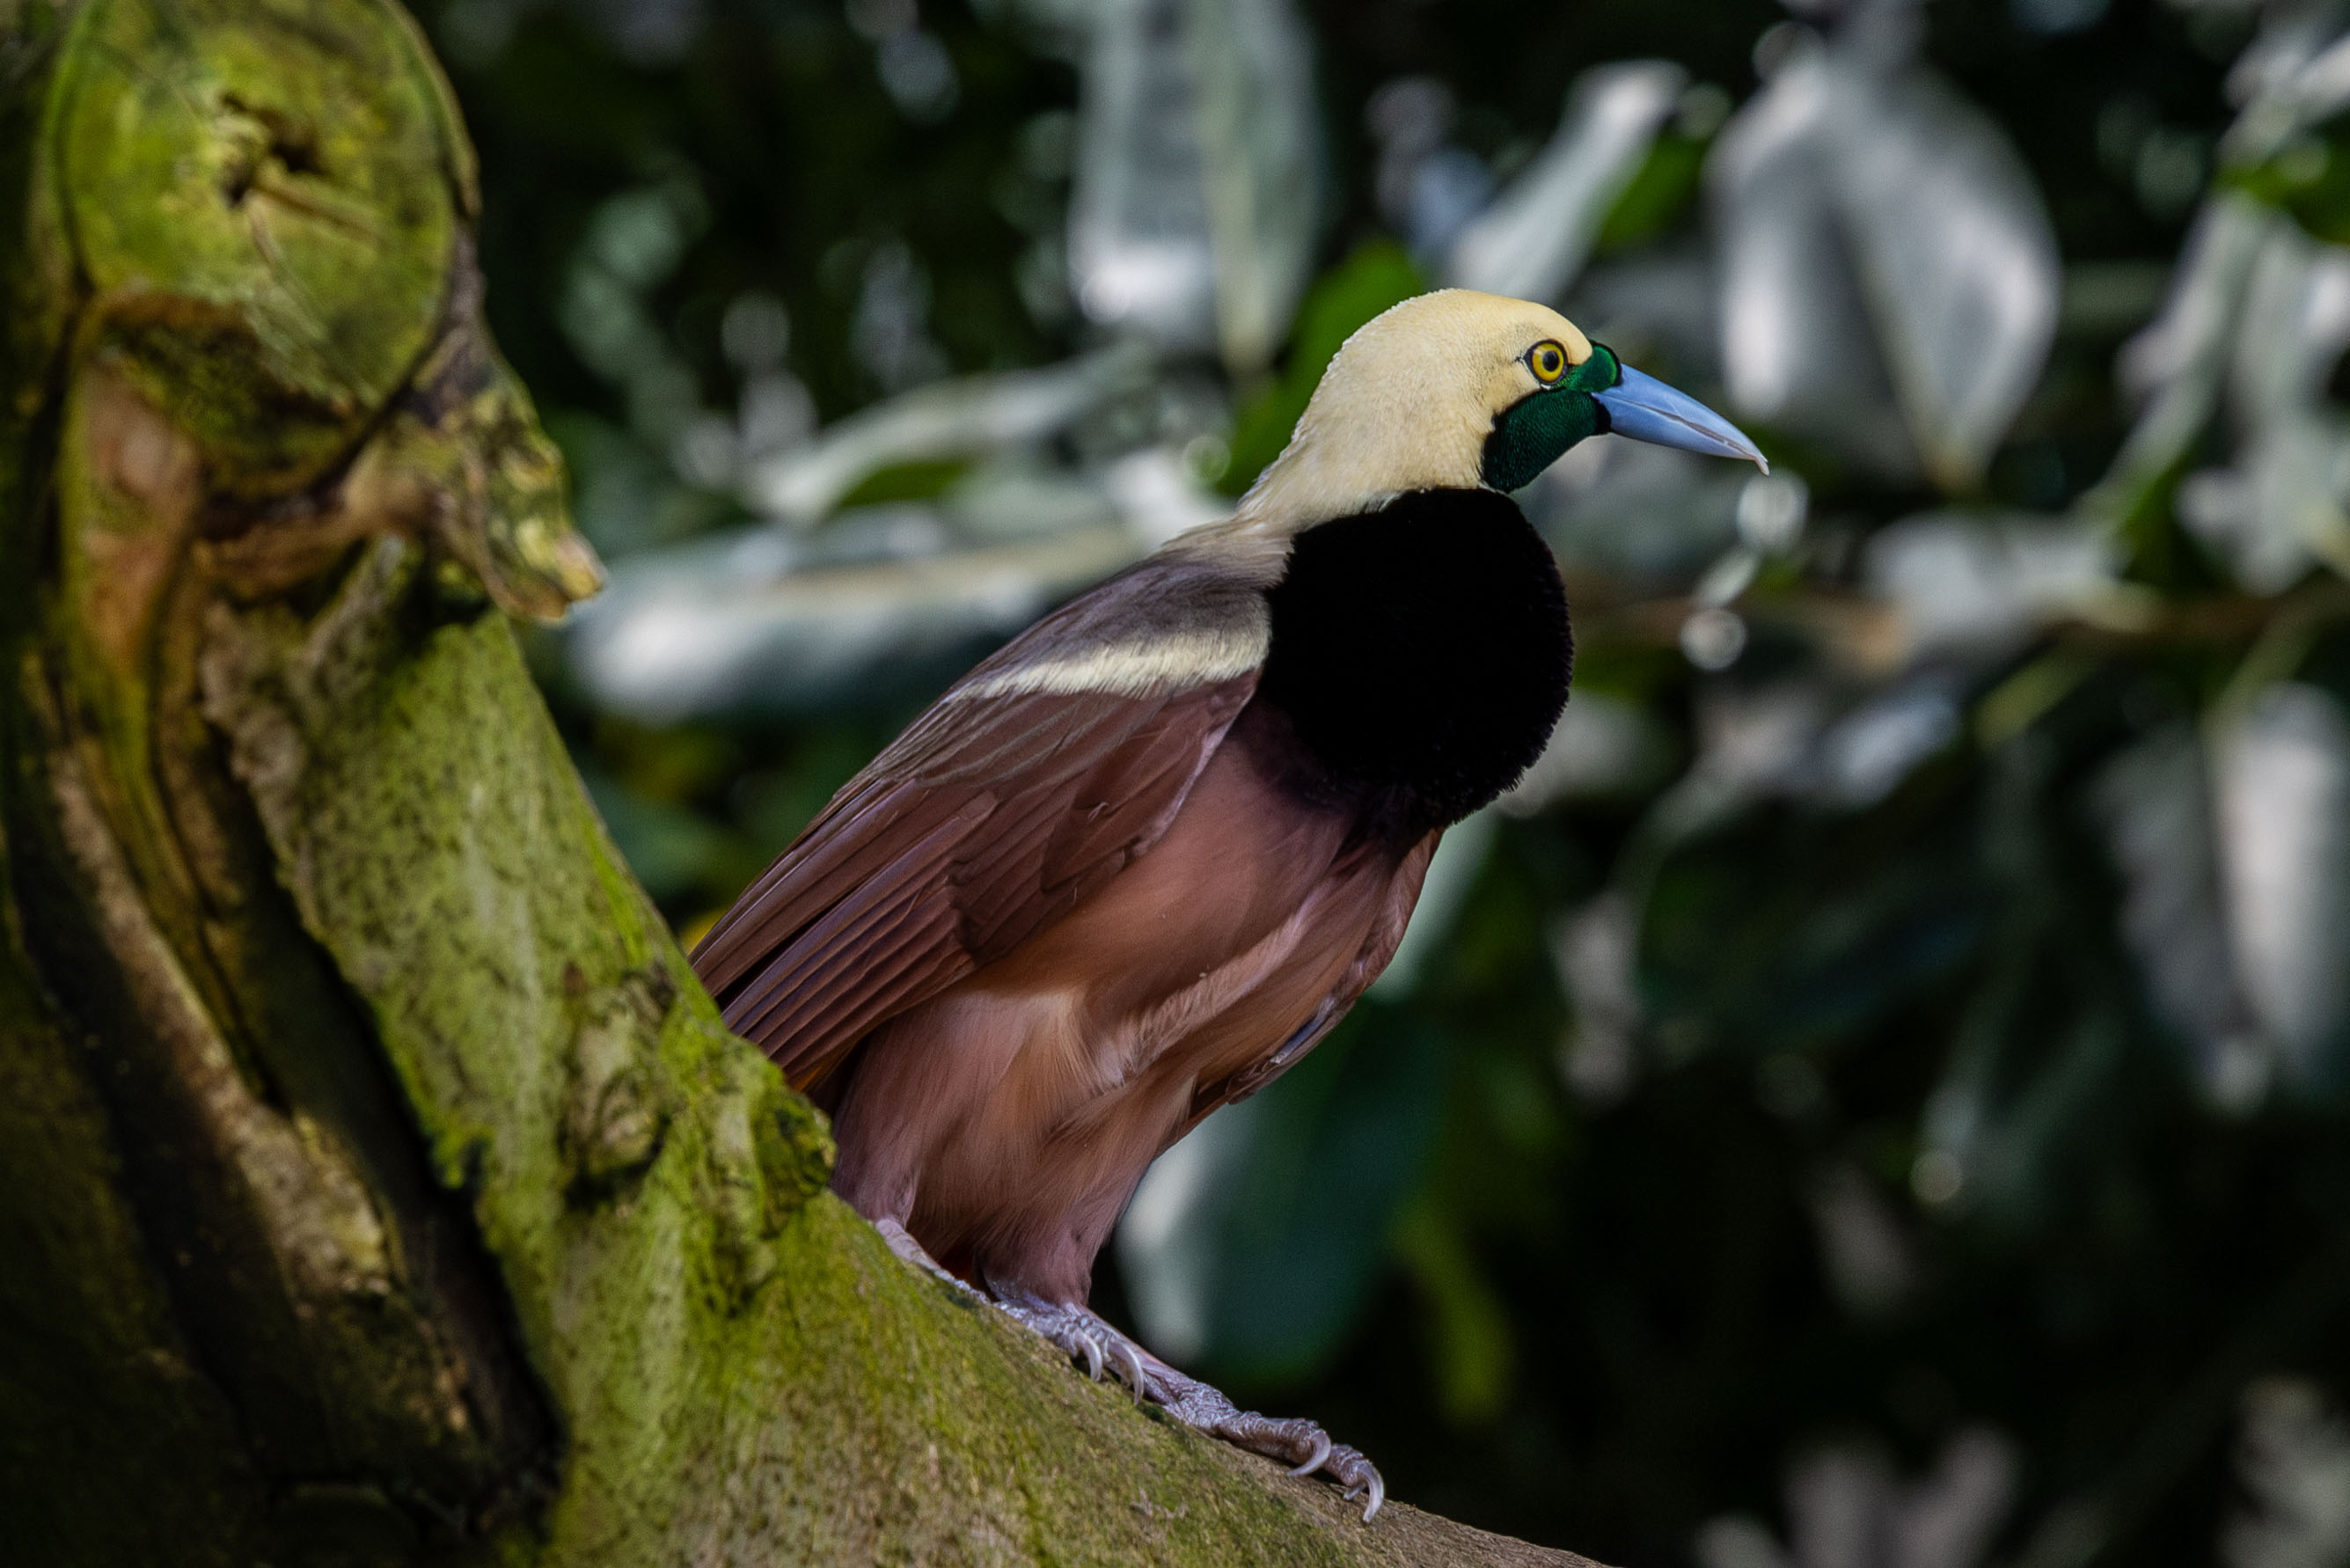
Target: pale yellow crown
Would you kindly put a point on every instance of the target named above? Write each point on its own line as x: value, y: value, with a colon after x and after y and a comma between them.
x: 1407, y: 404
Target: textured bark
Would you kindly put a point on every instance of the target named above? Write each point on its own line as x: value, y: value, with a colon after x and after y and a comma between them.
x: 376, y: 1185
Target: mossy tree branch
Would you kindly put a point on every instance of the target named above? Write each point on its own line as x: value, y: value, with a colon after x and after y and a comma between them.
x: 376, y: 1182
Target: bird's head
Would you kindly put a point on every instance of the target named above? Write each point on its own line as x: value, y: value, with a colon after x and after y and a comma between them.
x: 1458, y: 389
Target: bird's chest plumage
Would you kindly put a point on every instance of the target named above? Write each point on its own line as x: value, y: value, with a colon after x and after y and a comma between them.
x: 1420, y: 659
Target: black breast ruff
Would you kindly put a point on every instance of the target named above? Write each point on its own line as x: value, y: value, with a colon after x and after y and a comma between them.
x: 1421, y: 654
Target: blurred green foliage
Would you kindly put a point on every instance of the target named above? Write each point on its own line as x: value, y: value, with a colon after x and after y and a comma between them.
x: 1898, y: 1140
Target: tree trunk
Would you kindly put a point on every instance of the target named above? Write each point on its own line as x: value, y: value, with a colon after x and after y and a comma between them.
x: 376, y: 1185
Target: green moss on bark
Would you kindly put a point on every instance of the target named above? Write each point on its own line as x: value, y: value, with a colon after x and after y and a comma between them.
x: 259, y: 195
x: 378, y: 1182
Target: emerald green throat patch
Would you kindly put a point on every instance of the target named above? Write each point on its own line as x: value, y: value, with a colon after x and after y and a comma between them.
x: 1532, y: 433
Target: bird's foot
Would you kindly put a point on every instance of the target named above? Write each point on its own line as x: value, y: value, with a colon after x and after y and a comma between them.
x: 1087, y: 1338
x: 1300, y: 1444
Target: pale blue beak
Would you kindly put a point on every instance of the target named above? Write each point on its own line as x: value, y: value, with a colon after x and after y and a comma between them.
x: 1645, y: 408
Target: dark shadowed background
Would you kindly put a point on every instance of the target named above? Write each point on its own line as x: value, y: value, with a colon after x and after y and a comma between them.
x: 1874, y: 1096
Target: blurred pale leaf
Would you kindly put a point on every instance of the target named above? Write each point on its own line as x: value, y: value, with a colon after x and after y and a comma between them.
x: 1957, y: 258
x: 2295, y: 76
x: 962, y: 418
x: 1950, y: 1517
x: 2153, y: 803
x: 1637, y: 515
x: 1738, y: 1540
x: 1867, y: 754
x: 1798, y: 351
x: 1756, y: 740
x: 1976, y: 583
x: 1532, y: 240
x: 2294, y: 1458
x: 1846, y: 1509
x: 2281, y: 505
x: 1156, y: 496
x: 1808, y: 740
x: 1260, y: 143
x: 2283, y: 783
x: 1141, y: 250
x: 721, y: 627
x: 1846, y: 183
x: 1595, y: 951
x: 1194, y: 216
x: 2294, y: 326
x: 2177, y: 364
x: 1868, y: 1256
x: 1603, y: 746
x: 1837, y: 1503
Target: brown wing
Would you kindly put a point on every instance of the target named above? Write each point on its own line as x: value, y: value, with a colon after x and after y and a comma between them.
x: 1019, y: 795
x: 1379, y: 948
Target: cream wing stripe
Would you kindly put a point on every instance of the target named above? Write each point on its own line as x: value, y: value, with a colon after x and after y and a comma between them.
x: 1197, y: 658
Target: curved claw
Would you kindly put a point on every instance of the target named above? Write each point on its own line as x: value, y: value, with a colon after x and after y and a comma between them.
x: 1131, y: 1363
x: 1086, y: 1338
x: 1320, y: 1457
x: 1361, y: 1477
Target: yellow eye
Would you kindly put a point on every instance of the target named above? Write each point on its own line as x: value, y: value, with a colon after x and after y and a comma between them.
x: 1547, y: 361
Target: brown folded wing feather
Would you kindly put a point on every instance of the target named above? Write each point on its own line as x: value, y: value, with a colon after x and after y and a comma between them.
x: 1380, y: 944
x: 991, y: 817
